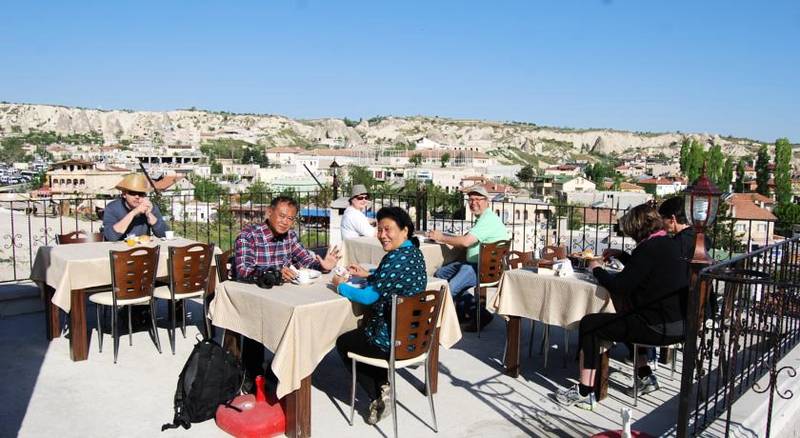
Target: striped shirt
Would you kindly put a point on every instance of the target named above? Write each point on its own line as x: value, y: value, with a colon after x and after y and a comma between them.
x: 257, y: 246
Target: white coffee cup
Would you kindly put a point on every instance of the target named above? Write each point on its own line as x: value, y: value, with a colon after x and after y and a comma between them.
x: 303, y: 276
x: 169, y: 234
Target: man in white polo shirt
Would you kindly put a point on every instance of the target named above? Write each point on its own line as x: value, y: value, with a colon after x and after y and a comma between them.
x: 464, y: 275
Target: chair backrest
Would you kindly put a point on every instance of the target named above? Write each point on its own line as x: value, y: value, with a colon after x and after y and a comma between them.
x: 190, y: 267
x: 491, y: 260
x: 553, y: 252
x: 518, y: 259
x: 225, y: 265
x: 78, y: 237
x: 414, y: 321
x: 133, y: 272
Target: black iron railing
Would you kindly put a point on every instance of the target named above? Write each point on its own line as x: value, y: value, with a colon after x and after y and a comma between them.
x: 744, y: 316
x: 27, y: 225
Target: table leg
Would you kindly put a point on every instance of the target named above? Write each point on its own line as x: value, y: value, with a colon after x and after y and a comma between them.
x: 78, y: 338
x: 298, y: 410
x: 601, y: 378
x: 231, y: 342
x: 512, y: 346
x: 52, y: 315
x: 434, y: 361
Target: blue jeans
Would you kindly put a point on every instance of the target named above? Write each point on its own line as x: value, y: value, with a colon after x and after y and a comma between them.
x: 459, y: 275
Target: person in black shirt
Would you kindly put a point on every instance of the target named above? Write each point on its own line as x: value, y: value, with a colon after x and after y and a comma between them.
x: 654, y: 278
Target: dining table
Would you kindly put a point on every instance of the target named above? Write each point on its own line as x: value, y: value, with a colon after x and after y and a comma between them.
x: 299, y: 324
x: 368, y: 250
x: 68, y: 274
x: 543, y: 295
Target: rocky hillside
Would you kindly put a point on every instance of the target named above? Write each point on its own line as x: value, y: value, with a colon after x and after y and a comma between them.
x: 195, y: 127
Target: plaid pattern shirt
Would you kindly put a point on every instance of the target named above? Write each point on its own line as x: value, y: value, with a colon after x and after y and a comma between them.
x: 257, y: 246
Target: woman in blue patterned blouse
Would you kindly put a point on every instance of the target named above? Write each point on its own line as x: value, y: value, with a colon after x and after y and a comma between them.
x: 401, y: 272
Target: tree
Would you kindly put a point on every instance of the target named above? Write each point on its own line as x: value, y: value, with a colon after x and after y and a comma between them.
x: 216, y: 168
x: 739, y: 186
x: 444, y: 159
x: 788, y: 215
x: 694, y: 164
x: 762, y: 171
x: 361, y: 175
x: 526, y: 174
x: 716, y: 161
x: 684, y: 156
x: 206, y: 190
x: 783, y: 171
x: 727, y: 175
x: 257, y: 193
x: 617, y: 182
x: 415, y: 160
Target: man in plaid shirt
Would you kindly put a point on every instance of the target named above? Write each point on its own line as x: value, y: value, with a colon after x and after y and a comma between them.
x: 275, y: 244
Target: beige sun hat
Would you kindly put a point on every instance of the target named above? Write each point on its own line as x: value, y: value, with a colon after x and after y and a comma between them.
x: 358, y: 189
x: 480, y: 190
x: 134, y: 182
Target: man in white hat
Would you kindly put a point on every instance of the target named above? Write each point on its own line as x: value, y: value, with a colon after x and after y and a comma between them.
x: 354, y: 222
x: 132, y: 214
x: 460, y: 275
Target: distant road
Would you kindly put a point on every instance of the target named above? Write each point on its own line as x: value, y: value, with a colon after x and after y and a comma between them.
x: 12, y: 188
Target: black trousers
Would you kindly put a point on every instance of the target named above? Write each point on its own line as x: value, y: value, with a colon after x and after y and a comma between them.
x: 598, y: 327
x: 369, y: 377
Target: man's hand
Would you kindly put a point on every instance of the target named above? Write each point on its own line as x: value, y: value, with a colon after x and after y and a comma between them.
x: 288, y: 274
x: 435, y: 235
x: 331, y: 259
x: 357, y: 271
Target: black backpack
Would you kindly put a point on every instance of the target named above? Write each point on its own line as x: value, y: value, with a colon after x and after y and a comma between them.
x: 211, y: 377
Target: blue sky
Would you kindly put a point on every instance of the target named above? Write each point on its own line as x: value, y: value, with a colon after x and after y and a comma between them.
x: 729, y: 67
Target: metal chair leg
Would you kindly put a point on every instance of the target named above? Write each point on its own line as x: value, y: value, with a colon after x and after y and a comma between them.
x: 183, y: 318
x: 130, y: 327
x: 172, y: 325
x: 99, y: 327
x: 115, y: 331
x: 353, y: 394
x: 566, y: 346
x: 206, y: 321
x: 153, y: 321
x: 394, y: 398
x: 478, y: 310
x: 428, y: 392
x: 674, y: 361
x: 635, y: 375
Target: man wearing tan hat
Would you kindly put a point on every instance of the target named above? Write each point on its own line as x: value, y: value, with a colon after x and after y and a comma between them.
x: 132, y: 214
x: 460, y: 275
x: 354, y: 222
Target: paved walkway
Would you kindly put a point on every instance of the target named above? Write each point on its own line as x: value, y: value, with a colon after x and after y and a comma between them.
x: 45, y: 394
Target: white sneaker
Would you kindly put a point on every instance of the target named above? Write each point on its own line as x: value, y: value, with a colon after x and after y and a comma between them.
x: 572, y: 397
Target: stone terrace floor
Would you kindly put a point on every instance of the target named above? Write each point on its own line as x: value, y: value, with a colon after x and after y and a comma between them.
x: 43, y: 393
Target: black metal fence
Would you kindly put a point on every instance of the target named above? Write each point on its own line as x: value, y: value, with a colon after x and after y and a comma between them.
x: 27, y: 225
x: 744, y: 316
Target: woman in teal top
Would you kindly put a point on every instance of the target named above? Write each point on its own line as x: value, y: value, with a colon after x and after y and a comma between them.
x: 401, y: 272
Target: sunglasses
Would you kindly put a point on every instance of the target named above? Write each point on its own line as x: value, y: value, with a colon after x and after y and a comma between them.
x: 362, y: 197
x: 137, y: 194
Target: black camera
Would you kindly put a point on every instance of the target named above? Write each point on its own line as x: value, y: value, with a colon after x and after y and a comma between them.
x: 265, y: 278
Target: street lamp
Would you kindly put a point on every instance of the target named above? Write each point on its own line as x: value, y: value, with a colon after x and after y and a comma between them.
x: 701, y: 206
x: 334, y: 166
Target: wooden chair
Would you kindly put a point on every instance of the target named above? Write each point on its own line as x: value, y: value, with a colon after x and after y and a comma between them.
x: 519, y: 259
x: 78, y: 237
x: 133, y: 277
x: 189, y: 269
x: 225, y: 265
x: 491, y: 264
x: 413, y: 331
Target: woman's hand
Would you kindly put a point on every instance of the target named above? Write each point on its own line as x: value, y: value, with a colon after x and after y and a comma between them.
x: 594, y: 264
x: 357, y: 271
x: 612, y: 252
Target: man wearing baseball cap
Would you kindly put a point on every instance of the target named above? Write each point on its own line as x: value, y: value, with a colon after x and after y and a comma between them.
x: 132, y: 214
x: 461, y: 276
